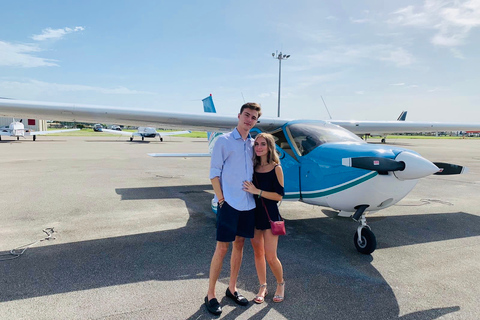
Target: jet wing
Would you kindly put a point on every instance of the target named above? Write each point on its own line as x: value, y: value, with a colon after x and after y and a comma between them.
x: 34, y: 133
x: 132, y: 117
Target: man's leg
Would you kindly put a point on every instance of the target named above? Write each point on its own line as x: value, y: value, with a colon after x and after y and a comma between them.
x: 216, y: 267
x: 235, y: 262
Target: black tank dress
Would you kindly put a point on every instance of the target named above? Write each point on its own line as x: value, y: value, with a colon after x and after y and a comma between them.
x: 266, y: 181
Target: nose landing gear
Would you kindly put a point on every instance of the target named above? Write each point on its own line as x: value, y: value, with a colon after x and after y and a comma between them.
x: 364, y: 239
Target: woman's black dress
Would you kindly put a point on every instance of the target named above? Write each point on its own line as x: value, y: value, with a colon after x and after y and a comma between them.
x: 266, y: 181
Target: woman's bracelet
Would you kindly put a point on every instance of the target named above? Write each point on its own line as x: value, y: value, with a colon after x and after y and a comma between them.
x: 260, y: 194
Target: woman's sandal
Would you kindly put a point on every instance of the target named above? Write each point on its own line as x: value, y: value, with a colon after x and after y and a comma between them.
x: 260, y: 299
x: 277, y: 298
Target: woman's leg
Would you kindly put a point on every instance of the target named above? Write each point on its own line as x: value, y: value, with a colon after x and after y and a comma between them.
x: 271, y: 243
x: 258, y: 245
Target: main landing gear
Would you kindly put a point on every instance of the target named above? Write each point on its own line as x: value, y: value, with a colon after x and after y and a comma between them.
x: 364, y: 239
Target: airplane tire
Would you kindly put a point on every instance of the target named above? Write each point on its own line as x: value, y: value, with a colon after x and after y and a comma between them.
x: 131, y: 139
x: 368, y: 243
x: 383, y: 140
x: 34, y: 138
x: 143, y: 138
x: 161, y: 139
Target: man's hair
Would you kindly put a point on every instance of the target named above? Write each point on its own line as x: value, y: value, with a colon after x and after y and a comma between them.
x: 252, y: 106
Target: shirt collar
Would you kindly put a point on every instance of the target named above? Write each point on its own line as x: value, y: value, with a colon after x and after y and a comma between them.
x: 237, y: 134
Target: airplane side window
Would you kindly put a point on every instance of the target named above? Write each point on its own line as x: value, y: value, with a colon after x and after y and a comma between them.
x: 281, y: 141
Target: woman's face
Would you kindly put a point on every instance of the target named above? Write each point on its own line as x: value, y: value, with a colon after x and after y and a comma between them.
x: 261, y: 147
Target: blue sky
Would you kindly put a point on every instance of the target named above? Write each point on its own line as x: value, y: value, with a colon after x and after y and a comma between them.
x: 369, y: 60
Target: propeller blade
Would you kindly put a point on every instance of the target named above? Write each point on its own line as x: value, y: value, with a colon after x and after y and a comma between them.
x: 382, y: 165
x: 448, y: 168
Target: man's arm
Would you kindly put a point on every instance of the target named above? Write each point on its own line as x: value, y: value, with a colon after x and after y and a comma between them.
x: 217, y: 188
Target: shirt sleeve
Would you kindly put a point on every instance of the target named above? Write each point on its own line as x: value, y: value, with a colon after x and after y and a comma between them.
x: 217, y: 159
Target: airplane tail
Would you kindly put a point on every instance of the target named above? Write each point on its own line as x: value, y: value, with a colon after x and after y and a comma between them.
x: 209, y: 107
x: 402, y: 116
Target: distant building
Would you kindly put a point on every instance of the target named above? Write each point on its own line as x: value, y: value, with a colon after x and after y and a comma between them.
x: 32, y: 124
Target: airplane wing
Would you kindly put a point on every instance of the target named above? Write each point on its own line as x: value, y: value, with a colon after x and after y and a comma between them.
x: 172, y: 133
x: 123, y: 133
x: 380, y: 127
x: 132, y: 117
x: 201, y: 121
x: 34, y: 133
x: 5, y: 133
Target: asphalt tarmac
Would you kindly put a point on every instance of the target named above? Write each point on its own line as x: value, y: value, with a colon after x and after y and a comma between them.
x: 134, y: 236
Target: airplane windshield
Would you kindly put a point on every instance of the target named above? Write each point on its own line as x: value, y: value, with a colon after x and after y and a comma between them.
x: 308, y: 136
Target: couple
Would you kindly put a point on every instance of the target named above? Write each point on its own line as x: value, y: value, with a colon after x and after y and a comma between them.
x: 241, y: 206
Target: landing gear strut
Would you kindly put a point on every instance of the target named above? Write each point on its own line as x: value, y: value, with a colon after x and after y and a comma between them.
x: 364, y: 239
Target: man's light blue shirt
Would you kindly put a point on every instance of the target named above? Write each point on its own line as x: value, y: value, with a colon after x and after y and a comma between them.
x: 232, y: 162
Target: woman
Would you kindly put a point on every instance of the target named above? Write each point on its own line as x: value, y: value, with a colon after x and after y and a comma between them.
x: 268, y: 187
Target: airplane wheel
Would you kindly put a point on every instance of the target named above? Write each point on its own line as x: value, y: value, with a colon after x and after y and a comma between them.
x: 34, y: 138
x: 161, y: 139
x: 383, y: 140
x: 143, y: 138
x: 131, y: 139
x: 18, y: 138
x: 368, y: 243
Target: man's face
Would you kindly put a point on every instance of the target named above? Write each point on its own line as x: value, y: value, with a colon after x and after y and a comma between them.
x: 247, y: 119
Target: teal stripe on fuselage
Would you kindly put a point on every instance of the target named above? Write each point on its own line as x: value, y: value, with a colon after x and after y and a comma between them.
x: 320, y: 193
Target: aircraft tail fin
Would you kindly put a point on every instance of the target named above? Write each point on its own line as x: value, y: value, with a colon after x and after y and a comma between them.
x: 208, y: 105
x: 402, y: 116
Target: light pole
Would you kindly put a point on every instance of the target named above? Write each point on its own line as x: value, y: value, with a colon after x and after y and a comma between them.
x: 280, y: 57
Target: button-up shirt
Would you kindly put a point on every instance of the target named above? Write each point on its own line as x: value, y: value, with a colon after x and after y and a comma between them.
x: 232, y: 162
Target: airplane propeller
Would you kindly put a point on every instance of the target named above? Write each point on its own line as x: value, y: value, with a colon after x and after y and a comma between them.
x: 406, y: 166
x: 448, y: 168
x: 381, y: 165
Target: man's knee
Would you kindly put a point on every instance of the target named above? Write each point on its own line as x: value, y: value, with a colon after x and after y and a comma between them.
x: 239, y: 242
x: 221, y: 249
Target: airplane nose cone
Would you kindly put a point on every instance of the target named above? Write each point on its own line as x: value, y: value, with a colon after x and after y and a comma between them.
x: 416, y: 166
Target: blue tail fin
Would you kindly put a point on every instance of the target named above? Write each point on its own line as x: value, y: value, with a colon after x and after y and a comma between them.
x: 208, y: 105
x: 402, y: 116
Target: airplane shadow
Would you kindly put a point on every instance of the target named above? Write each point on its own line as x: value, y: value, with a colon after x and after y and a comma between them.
x: 325, y: 274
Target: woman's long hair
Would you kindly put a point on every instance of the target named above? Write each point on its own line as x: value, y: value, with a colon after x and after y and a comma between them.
x: 272, y: 156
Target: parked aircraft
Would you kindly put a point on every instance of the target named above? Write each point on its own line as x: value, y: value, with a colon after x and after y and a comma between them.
x: 383, y: 135
x: 324, y: 164
x: 146, y: 132
x: 17, y: 129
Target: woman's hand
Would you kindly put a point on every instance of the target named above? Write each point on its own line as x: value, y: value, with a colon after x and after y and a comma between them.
x: 250, y: 188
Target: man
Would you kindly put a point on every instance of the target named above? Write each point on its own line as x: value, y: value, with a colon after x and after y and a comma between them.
x: 231, y: 165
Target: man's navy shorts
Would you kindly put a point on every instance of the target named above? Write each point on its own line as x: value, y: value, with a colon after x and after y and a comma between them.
x: 232, y: 223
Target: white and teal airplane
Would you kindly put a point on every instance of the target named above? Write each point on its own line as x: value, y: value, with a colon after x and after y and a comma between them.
x: 17, y: 129
x: 323, y: 163
x: 146, y: 132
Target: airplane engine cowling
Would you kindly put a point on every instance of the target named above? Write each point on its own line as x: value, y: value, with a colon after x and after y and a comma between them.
x: 416, y: 166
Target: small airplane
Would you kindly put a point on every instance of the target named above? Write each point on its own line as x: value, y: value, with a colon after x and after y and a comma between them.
x: 323, y: 164
x: 382, y: 135
x: 146, y: 132
x: 17, y: 129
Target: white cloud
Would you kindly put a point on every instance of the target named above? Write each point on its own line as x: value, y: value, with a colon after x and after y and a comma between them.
x: 452, y: 19
x: 53, y: 34
x: 41, y: 86
x: 344, y: 55
x: 398, y: 84
x: 21, y: 55
x: 359, y: 92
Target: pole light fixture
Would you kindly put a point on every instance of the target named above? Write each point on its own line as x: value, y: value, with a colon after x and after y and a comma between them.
x: 279, y: 56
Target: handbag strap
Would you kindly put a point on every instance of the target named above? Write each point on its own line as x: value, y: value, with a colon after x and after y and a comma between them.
x: 263, y: 202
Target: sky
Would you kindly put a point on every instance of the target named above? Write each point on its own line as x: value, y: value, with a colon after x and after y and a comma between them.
x: 368, y: 60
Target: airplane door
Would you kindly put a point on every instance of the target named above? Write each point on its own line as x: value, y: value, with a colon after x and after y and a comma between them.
x: 290, y: 166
